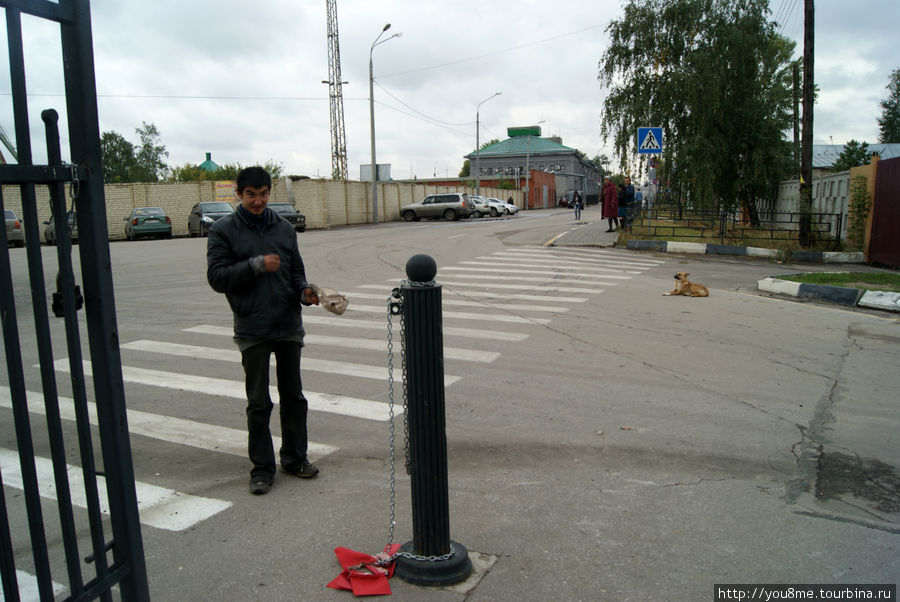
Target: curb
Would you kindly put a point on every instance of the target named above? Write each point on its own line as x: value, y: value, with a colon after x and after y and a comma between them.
x: 714, y: 249
x: 849, y: 297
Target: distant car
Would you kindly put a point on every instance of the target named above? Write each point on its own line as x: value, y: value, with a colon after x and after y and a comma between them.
x: 495, y: 207
x: 204, y: 215
x: 15, y: 234
x: 290, y: 213
x: 480, y: 208
x: 508, y: 207
x: 451, y: 206
x: 148, y: 221
x: 50, y: 229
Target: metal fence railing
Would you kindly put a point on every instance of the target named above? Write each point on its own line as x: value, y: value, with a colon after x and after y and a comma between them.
x: 735, y: 227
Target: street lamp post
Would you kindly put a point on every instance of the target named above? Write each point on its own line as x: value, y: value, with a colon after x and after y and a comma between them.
x: 478, y: 143
x: 372, y: 120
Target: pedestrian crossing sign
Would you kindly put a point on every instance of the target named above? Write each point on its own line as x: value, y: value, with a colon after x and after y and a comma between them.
x: 649, y: 141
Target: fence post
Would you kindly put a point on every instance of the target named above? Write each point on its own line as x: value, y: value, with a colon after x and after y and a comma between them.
x: 430, y: 558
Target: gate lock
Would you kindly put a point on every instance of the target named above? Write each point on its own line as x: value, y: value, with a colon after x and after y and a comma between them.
x: 57, y: 306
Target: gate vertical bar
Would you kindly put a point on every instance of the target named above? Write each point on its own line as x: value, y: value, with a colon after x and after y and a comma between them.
x: 99, y: 302
x: 66, y: 285
x: 24, y: 442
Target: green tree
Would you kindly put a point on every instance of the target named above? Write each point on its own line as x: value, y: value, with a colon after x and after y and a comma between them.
x: 192, y: 173
x: 123, y: 162
x: 889, y: 122
x: 150, y: 155
x: 854, y: 153
x: 117, y: 155
x: 716, y: 77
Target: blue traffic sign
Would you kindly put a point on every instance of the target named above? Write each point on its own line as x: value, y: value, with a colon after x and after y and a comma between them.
x: 649, y: 141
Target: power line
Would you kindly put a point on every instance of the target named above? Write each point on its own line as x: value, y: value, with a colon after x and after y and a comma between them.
x: 438, y: 121
x: 481, y: 56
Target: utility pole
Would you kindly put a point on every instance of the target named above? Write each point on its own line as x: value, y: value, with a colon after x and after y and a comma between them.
x: 796, y: 93
x: 806, y: 153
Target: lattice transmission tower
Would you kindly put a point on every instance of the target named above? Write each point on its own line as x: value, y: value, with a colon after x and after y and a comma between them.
x: 336, y: 96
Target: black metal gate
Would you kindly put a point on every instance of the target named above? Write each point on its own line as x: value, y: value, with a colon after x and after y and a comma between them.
x: 112, y: 556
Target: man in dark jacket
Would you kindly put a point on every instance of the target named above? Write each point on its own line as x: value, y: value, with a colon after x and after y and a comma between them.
x: 253, y: 257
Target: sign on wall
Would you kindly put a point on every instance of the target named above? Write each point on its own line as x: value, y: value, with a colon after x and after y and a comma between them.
x: 226, y: 190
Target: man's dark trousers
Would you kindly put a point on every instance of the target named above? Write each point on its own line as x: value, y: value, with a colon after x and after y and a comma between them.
x: 293, y: 406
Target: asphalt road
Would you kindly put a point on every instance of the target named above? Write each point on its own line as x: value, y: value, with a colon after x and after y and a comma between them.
x: 605, y: 442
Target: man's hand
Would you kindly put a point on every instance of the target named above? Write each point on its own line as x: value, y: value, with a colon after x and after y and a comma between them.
x: 310, y: 296
x: 271, y: 261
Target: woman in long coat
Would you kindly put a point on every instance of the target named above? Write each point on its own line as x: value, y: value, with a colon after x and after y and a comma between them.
x: 610, y: 203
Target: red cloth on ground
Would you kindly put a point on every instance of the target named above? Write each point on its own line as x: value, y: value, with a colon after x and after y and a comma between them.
x: 361, y: 575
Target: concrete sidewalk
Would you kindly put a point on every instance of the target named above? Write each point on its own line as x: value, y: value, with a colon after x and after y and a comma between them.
x: 593, y: 233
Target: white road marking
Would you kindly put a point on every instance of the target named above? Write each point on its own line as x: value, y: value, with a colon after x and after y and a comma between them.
x: 233, y: 355
x: 468, y: 355
x: 158, y: 507
x: 510, y: 296
x: 318, y: 402
x: 167, y: 428
x: 474, y: 333
x: 491, y: 317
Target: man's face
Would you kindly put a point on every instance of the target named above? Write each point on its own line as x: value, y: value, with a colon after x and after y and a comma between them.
x: 627, y: 181
x: 254, y: 199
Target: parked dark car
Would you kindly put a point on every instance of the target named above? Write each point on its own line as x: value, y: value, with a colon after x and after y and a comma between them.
x: 148, y: 221
x: 50, y: 229
x: 15, y: 234
x: 204, y: 215
x: 290, y: 213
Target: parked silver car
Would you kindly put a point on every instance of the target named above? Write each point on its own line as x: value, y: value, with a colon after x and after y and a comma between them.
x: 50, y: 229
x: 509, y: 207
x: 495, y: 207
x: 15, y: 233
x: 450, y: 206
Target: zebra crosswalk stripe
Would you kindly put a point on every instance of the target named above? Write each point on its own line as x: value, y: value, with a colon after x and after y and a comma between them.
x: 232, y: 355
x: 158, y: 507
x: 319, y: 402
x: 167, y: 428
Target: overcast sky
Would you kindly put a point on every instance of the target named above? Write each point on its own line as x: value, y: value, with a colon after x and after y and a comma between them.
x: 242, y: 80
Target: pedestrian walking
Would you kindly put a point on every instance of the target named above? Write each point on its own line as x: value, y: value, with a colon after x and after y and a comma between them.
x: 610, y: 209
x: 577, y: 204
x: 629, y: 202
x: 254, y: 259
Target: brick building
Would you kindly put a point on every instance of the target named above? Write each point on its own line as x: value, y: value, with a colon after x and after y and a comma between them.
x: 509, y: 159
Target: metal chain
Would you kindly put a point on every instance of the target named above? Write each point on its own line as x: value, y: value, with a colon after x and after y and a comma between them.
x: 393, y: 306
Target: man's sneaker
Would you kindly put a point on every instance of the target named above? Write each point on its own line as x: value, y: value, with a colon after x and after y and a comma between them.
x: 305, y: 470
x: 259, y: 485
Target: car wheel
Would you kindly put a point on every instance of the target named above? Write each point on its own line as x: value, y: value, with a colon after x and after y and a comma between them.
x: 450, y: 215
x: 494, y: 212
x: 409, y: 216
x: 127, y: 235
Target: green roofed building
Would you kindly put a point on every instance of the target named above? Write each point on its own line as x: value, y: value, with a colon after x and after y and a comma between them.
x: 509, y: 159
x: 209, y: 164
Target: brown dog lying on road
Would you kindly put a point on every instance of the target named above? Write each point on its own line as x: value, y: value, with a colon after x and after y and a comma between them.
x: 685, y: 287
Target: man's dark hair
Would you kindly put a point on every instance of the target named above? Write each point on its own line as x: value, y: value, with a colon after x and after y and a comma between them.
x: 255, y: 176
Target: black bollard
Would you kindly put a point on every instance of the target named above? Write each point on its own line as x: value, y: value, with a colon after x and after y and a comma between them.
x: 431, y: 558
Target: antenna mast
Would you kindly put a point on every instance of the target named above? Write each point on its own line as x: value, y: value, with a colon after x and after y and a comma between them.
x: 336, y: 96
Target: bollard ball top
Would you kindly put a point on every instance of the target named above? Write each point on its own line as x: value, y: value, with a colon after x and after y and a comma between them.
x: 421, y: 268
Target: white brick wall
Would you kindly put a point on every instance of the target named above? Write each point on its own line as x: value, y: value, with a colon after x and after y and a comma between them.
x: 326, y: 203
